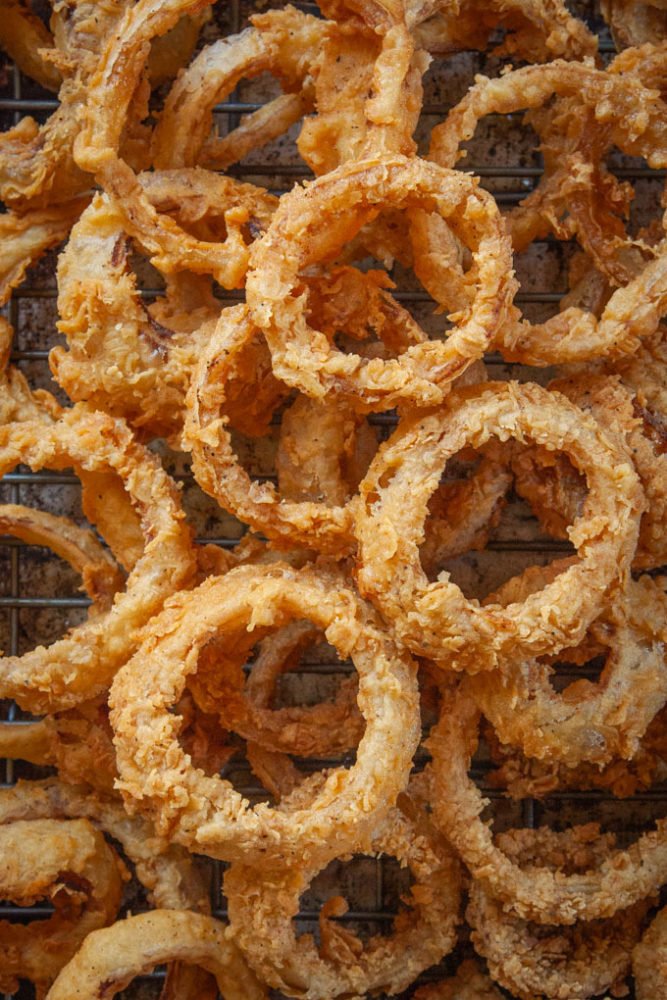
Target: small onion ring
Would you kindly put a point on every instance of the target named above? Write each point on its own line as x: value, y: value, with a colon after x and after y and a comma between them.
x: 435, y: 619
x: 534, y: 893
x: 208, y: 814
x: 43, y: 858
x: 580, y: 961
x: 108, y: 960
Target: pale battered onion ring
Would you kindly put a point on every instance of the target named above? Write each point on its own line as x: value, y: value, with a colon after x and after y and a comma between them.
x: 108, y: 960
x: 436, y: 619
x: 261, y: 912
x: 285, y: 42
x: 587, y: 721
x: 533, y: 893
x: 208, y: 814
x: 82, y: 663
x: 649, y: 961
x: 70, y: 863
x: 331, y: 210
x: 532, y: 960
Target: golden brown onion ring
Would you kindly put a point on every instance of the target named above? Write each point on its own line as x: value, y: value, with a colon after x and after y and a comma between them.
x: 331, y: 211
x: 587, y: 721
x: 621, y: 879
x: 70, y: 864
x: 436, y: 619
x: 532, y: 960
x: 81, y: 664
x: 284, y: 42
x: 122, y: 357
x: 37, y: 168
x: 108, y: 961
x: 208, y: 814
x: 261, y: 912
x: 97, y: 150
x: 557, y: 493
x: 25, y: 237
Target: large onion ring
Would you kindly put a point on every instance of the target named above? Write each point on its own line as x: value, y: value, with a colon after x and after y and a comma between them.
x: 330, y: 211
x: 435, y: 619
x: 261, y: 912
x: 208, y: 814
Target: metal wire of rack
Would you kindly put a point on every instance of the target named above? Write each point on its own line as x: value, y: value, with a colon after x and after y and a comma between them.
x: 21, y: 594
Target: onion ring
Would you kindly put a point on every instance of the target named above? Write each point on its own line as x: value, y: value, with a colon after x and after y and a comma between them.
x: 208, y: 813
x: 108, y: 961
x: 435, y: 619
x: 70, y: 863
x: 533, y: 960
x: 587, y: 721
x: 302, y: 357
x: 261, y: 912
x: 534, y: 893
x: 81, y: 664
x: 468, y: 984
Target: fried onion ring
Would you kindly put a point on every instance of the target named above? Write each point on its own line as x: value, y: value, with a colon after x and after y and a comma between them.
x: 82, y: 663
x: 326, y: 212
x: 261, y: 912
x: 70, y: 863
x: 108, y: 961
x: 435, y: 619
x: 208, y: 814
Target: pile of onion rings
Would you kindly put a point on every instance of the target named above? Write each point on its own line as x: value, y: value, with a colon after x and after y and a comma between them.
x: 305, y: 655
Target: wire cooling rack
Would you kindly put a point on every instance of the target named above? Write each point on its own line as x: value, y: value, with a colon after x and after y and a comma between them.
x: 38, y: 599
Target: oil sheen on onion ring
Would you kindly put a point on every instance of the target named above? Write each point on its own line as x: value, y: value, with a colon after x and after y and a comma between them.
x: 313, y: 223
x: 107, y: 962
x: 436, y: 619
x: 261, y: 911
x: 68, y: 863
x: 82, y: 663
x: 208, y: 814
x: 538, y: 894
